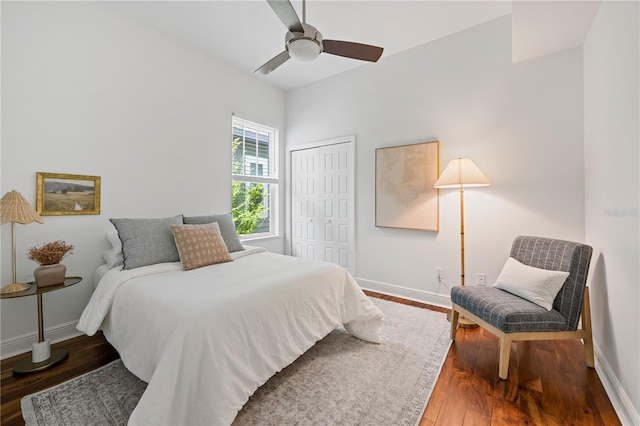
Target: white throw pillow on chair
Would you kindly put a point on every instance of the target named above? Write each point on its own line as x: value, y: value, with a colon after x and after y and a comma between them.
x: 539, y: 286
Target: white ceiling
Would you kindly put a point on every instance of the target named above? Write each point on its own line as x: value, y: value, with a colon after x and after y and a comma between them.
x: 544, y: 27
x: 246, y: 33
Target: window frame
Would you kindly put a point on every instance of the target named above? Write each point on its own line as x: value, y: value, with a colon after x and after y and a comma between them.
x: 273, y: 180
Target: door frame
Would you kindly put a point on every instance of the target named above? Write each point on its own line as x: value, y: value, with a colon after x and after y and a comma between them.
x: 347, y: 139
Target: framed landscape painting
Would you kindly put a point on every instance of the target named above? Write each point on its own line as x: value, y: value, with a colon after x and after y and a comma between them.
x: 64, y: 194
x: 405, y: 196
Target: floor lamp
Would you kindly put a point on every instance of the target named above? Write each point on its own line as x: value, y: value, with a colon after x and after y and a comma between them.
x: 15, y: 209
x: 461, y: 173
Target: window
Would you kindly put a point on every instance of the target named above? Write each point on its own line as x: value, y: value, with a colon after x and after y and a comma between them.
x: 254, y: 178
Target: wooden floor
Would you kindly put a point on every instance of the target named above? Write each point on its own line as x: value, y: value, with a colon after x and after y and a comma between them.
x: 548, y: 384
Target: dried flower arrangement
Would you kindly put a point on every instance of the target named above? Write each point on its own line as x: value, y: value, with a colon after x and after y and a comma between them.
x: 50, y: 253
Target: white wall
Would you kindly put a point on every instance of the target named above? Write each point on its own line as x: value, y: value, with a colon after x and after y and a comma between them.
x: 86, y: 91
x: 520, y: 123
x: 612, y: 183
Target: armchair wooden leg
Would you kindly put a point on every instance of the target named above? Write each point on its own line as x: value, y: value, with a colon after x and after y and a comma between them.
x: 454, y: 323
x: 586, y: 325
x: 505, y: 352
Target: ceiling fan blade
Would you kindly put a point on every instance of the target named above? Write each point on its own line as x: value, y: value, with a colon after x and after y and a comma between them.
x: 273, y: 63
x: 287, y: 14
x: 348, y: 49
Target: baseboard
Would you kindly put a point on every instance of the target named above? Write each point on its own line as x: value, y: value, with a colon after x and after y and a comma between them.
x: 619, y: 399
x: 22, y: 344
x: 416, y: 295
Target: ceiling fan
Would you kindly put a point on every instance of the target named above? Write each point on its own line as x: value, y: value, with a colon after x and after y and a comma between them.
x: 305, y: 43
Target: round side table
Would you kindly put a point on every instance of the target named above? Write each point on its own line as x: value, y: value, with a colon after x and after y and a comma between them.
x: 57, y: 355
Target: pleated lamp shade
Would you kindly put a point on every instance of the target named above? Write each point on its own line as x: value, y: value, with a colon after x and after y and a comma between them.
x: 461, y: 173
x: 14, y: 208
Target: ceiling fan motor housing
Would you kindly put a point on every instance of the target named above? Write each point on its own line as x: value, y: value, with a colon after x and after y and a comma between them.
x: 304, y: 46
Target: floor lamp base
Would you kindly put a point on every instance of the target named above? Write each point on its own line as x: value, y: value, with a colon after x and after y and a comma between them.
x: 462, y: 321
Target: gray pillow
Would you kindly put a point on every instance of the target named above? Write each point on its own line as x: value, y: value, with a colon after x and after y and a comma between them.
x: 227, y: 228
x: 147, y: 241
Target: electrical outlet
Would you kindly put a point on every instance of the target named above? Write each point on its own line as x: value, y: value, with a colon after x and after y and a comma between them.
x: 438, y: 275
x: 482, y: 279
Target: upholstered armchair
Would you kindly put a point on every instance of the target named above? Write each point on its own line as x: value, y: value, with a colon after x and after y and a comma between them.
x: 513, y: 318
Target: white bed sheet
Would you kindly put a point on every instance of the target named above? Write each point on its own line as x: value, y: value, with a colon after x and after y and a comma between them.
x: 206, y: 339
x: 99, y: 273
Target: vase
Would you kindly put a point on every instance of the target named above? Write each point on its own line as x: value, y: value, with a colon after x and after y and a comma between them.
x: 47, y: 275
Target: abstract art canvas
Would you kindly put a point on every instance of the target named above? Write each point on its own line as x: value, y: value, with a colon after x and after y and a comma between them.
x: 405, y: 196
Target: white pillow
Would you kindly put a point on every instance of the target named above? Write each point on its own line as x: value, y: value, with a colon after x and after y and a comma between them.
x: 539, y: 286
x: 114, y: 239
x: 112, y: 258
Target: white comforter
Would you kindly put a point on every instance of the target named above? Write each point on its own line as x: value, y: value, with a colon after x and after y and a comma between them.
x: 206, y: 339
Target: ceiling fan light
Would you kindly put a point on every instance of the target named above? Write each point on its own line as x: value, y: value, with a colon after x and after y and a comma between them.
x: 303, y: 49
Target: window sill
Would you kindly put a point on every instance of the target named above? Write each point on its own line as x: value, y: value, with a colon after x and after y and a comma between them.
x: 258, y: 239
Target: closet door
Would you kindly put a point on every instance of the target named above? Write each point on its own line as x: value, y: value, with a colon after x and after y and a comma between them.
x: 322, y: 201
x: 304, y: 200
x: 335, y: 192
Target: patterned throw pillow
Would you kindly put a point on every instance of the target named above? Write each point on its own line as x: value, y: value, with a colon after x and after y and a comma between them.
x: 200, y: 245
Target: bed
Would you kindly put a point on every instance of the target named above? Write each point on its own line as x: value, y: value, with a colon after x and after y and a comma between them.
x: 205, y: 339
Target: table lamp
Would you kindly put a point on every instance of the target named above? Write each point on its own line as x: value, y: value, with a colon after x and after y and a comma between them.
x: 461, y: 173
x: 15, y: 209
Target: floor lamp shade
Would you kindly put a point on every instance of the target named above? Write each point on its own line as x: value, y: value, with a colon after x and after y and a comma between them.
x: 461, y: 172
x: 15, y: 209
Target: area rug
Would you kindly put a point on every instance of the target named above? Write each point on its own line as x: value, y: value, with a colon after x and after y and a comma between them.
x: 340, y: 381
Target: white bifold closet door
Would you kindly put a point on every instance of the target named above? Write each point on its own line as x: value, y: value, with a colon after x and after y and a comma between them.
x: 322, y: 202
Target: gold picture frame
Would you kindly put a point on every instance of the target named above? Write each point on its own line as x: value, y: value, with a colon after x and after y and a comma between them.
x: 405, y: 196
x: 59, y: 194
